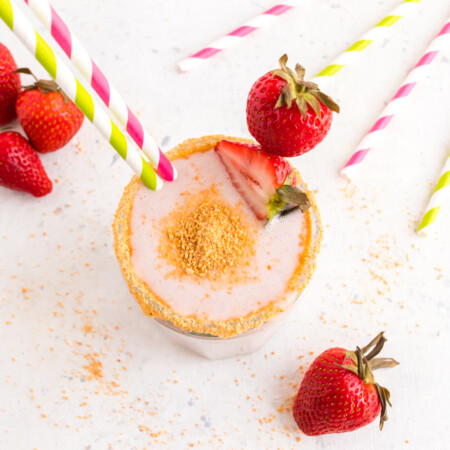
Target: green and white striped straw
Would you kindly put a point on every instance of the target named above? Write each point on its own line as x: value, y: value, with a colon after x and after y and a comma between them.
x: 75, y: 90
x: 440, y: 195
x: 377, y: 33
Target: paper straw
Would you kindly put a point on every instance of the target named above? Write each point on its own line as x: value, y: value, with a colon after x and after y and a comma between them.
x: 25, y: 31
x: 236, y: 35
x: 439, y: 197
x: 419, y: 71
x: 377, y: 33
x: 72, y: 47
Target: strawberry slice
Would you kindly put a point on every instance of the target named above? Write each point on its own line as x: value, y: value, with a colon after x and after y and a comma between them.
x: 256, y: 175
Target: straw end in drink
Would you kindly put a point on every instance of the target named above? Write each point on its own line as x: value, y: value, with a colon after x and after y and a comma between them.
x: 175, y: 173
x: 165, y: 169
x: 150, y: 178
x: 159, y: 184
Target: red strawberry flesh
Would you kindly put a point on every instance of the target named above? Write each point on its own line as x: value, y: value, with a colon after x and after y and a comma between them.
x: 283, y: 131
x: 48, y: 119
x: 9, y: 86
x: 339, y: 393
x: 287, y: 115
x: 20, y: 166
x: 337, y: 401
x: 255, y: 174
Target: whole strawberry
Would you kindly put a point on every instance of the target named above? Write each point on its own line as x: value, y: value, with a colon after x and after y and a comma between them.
x: 339, y: 392
x: 20, y: 166
x: 287, y: 115
x: 47, y: 116
x: 9, y: 86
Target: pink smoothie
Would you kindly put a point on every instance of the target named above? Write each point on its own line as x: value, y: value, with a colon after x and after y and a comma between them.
x: 278, y: 248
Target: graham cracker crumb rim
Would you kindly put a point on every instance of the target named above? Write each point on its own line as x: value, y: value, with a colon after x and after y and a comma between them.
x: 154, y: 306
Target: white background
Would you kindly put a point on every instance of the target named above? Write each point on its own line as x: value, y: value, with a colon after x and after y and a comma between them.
x: 62, y: 297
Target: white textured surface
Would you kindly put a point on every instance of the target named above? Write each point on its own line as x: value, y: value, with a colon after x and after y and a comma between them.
x: 62, y: 296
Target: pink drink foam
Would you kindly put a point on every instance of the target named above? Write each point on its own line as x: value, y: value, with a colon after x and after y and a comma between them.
x: 278, y: 245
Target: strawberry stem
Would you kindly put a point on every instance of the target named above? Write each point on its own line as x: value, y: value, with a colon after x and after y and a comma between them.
x: 377, y: 343
x: 365, y: 364
x: 303, y: 92
x: 383, y: 395
x: 26, y: 71
x: 45, y: 86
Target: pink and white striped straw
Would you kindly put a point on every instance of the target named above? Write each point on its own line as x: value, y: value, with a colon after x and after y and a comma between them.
x: 73, y: 48
x: 440, y: 43
x: 236, y: 35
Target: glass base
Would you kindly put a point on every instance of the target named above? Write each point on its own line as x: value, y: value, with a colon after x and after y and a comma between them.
x: 218, y: 348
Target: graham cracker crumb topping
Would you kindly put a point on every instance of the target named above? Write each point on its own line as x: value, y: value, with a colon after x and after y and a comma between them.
x: 207, y: 236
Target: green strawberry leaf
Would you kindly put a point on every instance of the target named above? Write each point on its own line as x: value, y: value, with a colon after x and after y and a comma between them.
x: 294, y: 196
x: 327, y: 101
x: 315, y: 104
x: 303, y: 92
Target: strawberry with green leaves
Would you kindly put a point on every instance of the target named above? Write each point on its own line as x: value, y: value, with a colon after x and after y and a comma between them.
x: 265, y: 181
x: 287, y: 115
x: 9, y: 86
x: 20, y: 166
x: 47, y: 116
x: 339, y: 392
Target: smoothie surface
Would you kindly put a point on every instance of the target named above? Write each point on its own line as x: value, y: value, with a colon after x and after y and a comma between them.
x: 271, y: 255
